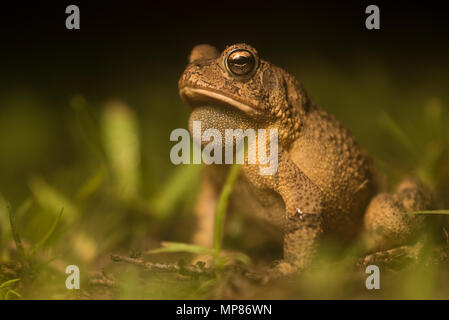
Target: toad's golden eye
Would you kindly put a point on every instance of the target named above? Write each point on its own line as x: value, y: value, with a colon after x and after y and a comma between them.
x: 240, y: 62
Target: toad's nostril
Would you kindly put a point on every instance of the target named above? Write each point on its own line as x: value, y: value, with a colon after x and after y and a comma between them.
x: 201, y: 63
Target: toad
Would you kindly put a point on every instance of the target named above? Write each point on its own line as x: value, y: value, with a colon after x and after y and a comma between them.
x: 324, y: 186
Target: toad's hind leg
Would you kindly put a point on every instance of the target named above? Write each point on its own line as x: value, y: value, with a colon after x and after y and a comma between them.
x: 388, y: 224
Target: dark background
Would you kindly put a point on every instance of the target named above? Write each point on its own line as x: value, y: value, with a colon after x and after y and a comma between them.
x: 137, y: 39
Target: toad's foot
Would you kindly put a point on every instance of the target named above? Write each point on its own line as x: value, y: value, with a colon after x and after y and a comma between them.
x: 395, y: 258
x: 279, y: 270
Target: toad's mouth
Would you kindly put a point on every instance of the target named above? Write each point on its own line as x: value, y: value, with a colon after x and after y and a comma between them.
x: 199, y: 97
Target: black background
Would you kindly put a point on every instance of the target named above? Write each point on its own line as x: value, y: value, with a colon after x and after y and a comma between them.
x: 130, y: 40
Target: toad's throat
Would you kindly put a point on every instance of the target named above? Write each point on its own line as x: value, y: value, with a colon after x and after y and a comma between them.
x: 197, y: 96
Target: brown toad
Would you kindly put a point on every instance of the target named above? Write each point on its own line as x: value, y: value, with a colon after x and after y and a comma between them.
x: 324, y: 183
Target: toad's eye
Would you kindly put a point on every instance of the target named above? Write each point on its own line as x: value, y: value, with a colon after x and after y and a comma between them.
x: 240, y: 62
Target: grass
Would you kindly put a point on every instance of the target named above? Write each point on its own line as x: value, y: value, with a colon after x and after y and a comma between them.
x: 28, y: 256
x: 220, y: 258
x: 15, y: 234
x: 106, y: 165
x: 6, y: 293
x: 222, y: 206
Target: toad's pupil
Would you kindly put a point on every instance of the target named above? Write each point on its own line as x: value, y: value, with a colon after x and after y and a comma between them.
x: 241, y: 62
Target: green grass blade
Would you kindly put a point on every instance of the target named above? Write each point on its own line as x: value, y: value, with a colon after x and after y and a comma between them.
x: 4, y: 221
x: 8, y: 283
x: 396, y: 132
x: 222, y: 205
x: 89, y: 126
x: 181, y: 247
x: 45, y: 238
x: 15, y: 234
x: 429, y: 212
x: 121, y: 140
x: 24, y: 207
x: 173, y: 191
x: 50, y: 198
x: 14, y: 292
x: 92, y: 185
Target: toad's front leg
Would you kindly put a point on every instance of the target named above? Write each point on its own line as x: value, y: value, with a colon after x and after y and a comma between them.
x: 303, y: 225
x: 303, y: 219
